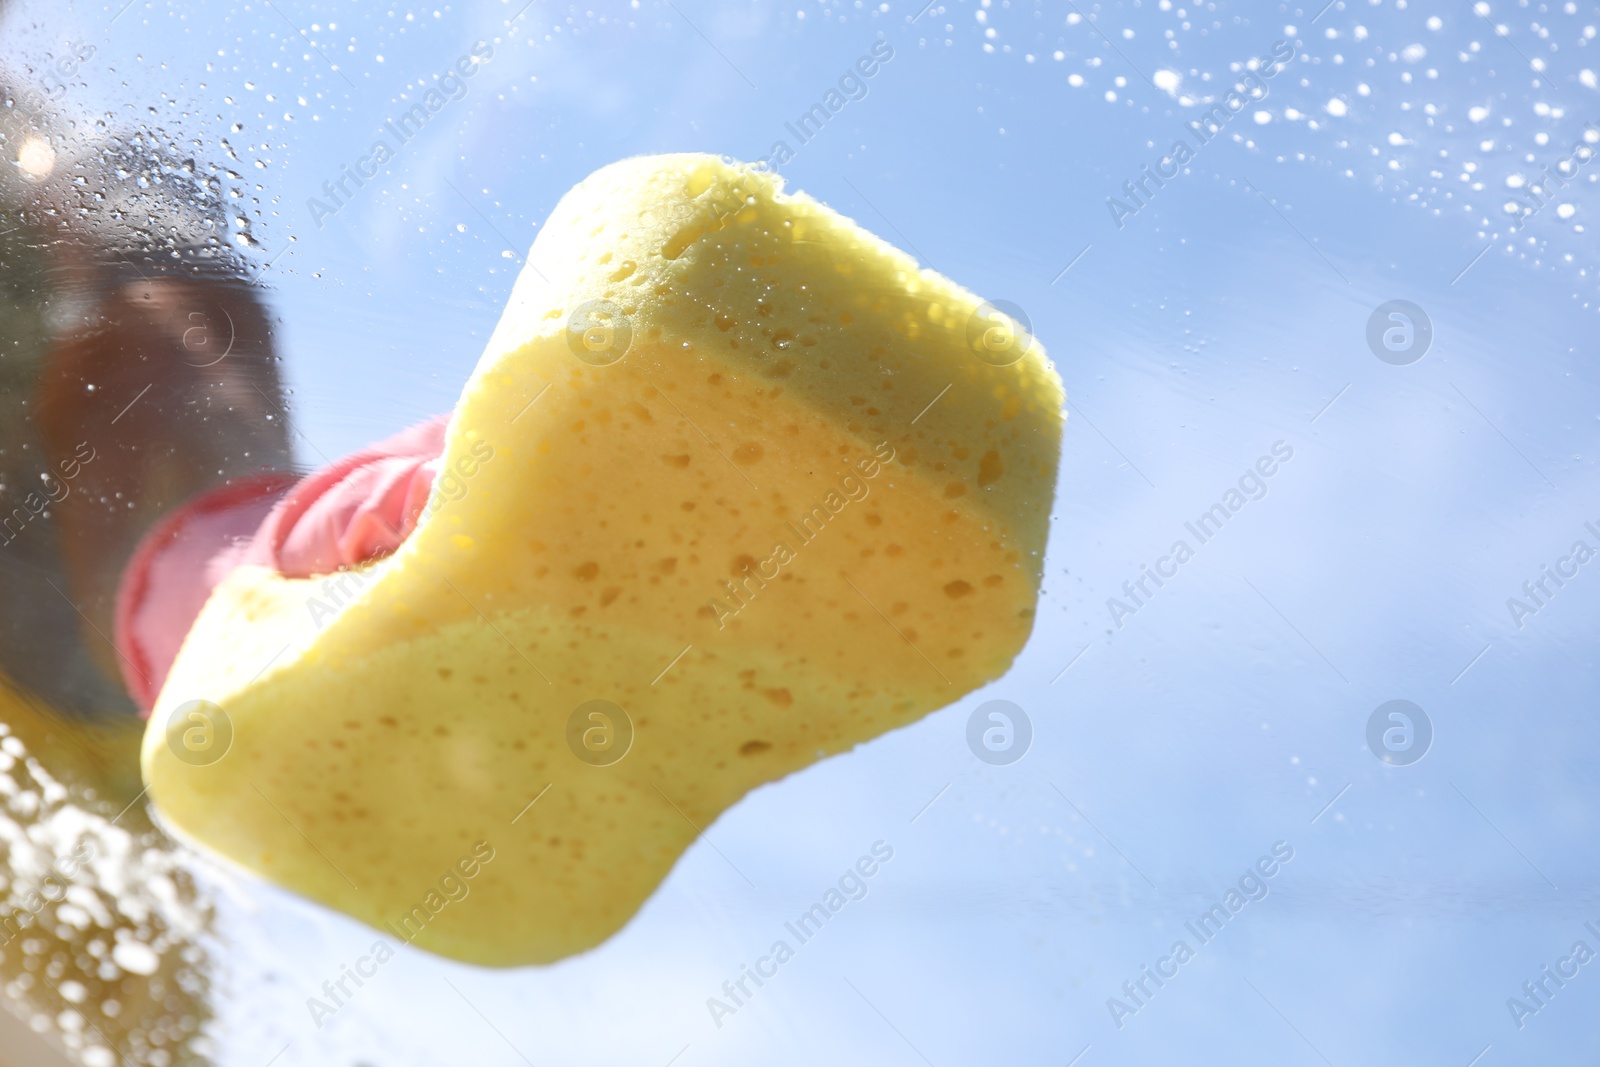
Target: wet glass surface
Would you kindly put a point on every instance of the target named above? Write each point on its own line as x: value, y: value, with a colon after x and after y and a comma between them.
x: 1339, y: 347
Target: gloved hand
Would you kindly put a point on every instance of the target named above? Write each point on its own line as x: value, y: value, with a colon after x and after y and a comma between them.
x: 351, y: 512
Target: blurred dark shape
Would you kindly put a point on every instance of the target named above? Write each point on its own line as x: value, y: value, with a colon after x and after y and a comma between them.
x: 134, y: 374
x: 170, y: 389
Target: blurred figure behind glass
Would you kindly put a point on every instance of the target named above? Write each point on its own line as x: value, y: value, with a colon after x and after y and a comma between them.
x: 137, y: 369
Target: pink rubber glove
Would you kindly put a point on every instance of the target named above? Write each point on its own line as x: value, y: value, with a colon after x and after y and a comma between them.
x: 357, y: 510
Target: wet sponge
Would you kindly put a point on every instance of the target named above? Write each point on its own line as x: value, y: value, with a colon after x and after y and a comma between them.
x: 736, y: 486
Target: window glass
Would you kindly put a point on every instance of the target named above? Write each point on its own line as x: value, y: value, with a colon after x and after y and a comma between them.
x: 1291, y: 760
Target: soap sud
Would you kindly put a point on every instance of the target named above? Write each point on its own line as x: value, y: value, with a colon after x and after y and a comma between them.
x: 1430, y: 153
x: 77, y: 887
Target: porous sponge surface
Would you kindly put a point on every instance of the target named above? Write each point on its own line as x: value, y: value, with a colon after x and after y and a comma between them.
x: 751, y: 533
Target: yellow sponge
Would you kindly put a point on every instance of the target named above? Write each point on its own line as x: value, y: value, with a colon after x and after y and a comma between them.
x: 734, y: 487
